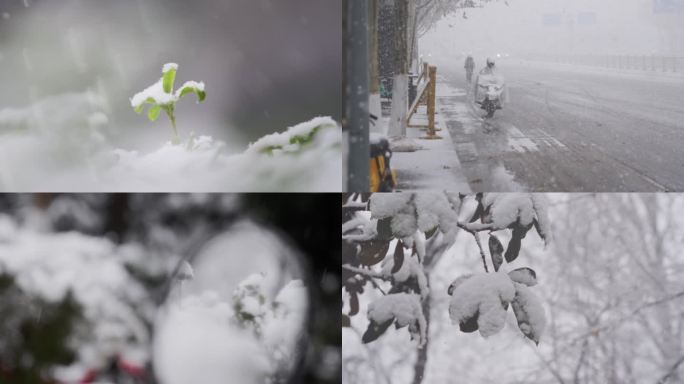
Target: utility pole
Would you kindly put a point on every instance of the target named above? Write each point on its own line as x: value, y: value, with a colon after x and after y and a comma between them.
x: 356, y: 90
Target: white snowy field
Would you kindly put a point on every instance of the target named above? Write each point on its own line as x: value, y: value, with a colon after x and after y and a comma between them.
x: 73, y: 156
x: 609, y: 286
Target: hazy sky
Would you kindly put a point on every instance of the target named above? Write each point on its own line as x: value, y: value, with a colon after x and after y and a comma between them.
x: 543, y: 26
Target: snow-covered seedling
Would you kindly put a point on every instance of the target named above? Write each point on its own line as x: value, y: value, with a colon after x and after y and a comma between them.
x: 421, y: 228
x: 162, y: 96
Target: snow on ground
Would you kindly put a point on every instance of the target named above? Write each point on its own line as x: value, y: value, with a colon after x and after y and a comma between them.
x: 434, y: 166
x: 306, y: 157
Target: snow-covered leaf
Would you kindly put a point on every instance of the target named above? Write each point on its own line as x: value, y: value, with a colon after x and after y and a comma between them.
x: 431, y: 232
x: 513, y: 249
x: 457, y: 282
x: 542, y: 224
x: 373, y: 251
x: 153, y: 113
x: 404, y: 308
x: 375, y: 330
x: 526, y: 276
x: 194, y: 87
x: 384, y: 228
x: 483, y: 299
x: 528, y: 312
x: 398, y: 257
x: 496, y: 252
x: 346, y: 321
x: 169, y: 76
x: 353, y: 304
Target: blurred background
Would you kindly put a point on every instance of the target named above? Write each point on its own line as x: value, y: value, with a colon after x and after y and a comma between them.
x: 85, y: 279
x: 267, y: 64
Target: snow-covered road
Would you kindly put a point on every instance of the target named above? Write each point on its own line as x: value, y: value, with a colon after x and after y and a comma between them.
x: 573, y: 129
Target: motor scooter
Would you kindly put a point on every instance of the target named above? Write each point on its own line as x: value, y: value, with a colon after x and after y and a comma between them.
x: 490, y: 90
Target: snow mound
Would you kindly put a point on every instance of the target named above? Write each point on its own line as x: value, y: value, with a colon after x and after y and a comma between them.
x: 195, y: 343
x: 483, y: 297
x: 404, y: 144
x: 309, y: 160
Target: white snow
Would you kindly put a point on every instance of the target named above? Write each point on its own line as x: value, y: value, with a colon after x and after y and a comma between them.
x: 435, y: 209
x: 80, y: 161
x: 405, y: 308
x: 404, y: 223
x: 189, y: 84
x: 200, y: 338
x: 154, y: 92
x: 411, y: 267
x: 195, y: 343
x: 482, y: 294
x: 383, y: 205
x: 360, y: 228
x: 169, y: 66
x: 506, y: 208
x: 541, y: 205
x: 415, y: 211
x: 286, y: 142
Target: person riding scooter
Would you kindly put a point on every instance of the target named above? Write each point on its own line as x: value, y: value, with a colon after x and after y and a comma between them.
x: 490, y: 90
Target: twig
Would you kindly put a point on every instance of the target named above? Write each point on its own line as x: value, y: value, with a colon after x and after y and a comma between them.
x: 479, y: 245
x: 672, y: 371
x: 364, y: 272
x: 368, y: 273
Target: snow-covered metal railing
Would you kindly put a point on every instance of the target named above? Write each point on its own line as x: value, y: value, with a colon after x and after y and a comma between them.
x: 647, y: 63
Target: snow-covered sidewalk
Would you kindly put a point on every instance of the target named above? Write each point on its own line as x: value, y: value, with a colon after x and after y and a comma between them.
x: 435, y: 166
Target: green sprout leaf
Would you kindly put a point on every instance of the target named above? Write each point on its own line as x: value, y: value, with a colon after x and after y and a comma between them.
x: 192, y: 86
x: 153, y: 113
x: 168, y: 80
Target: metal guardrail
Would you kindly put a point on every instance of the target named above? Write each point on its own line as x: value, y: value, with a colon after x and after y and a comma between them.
x: 647, y: 63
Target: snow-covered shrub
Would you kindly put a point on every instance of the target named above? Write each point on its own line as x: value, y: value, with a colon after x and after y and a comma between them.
x: 80, y: 282
x: 421, y: 227
x: 162, y: 96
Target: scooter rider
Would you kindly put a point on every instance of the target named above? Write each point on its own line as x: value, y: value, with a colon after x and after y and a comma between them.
x: 490, y: 69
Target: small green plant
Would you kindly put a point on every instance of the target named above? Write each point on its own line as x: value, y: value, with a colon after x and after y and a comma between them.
x: 162, y: 96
